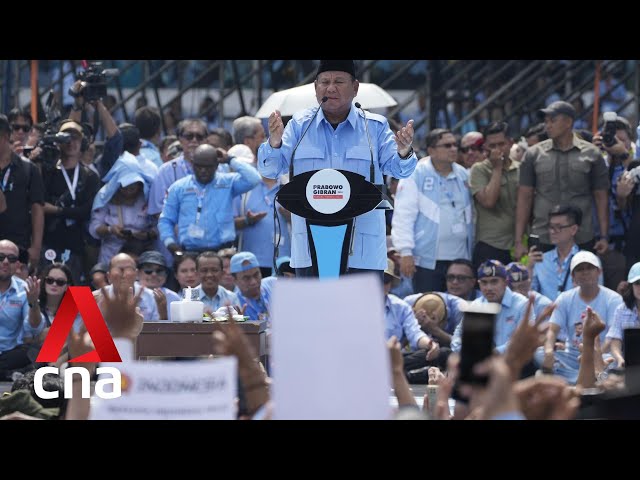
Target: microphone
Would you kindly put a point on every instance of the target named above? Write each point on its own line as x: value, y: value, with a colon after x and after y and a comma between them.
x: 324, y: 99
x: 366, y: 127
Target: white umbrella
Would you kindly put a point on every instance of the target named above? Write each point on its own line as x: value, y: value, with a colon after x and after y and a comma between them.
x: 294, y: 99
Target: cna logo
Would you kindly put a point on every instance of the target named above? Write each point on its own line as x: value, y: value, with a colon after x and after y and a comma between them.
x: 80, y: 300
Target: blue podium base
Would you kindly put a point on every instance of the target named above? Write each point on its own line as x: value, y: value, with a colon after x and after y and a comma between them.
x: 329, y: 249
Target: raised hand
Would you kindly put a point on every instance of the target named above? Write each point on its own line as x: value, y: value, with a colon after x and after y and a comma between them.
x: 33, y: 289
x: 276, y: 129
x: 404, y: 139
x: 526, y: 338
x: 120, y: 311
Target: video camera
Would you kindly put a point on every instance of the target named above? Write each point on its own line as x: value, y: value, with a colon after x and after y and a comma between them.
x: 93, y: 84
x: 51, y: 138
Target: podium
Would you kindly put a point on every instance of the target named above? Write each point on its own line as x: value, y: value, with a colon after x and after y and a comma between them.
x: 329, y: 200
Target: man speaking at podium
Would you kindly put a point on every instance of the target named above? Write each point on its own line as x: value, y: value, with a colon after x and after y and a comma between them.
x: 338, y: 134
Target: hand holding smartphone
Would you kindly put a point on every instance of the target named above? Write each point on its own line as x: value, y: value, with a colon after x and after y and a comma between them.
x: 478, y: 329
x: 534, y: 241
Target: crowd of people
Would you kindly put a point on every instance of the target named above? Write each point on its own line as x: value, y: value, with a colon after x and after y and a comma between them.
x: 543, y: 225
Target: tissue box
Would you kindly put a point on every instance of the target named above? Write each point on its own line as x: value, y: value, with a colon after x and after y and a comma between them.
x: 186, y: 311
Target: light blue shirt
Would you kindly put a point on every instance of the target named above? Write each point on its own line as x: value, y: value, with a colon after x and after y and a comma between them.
x: 148, y: 306
x: 258, y: 238
x: 571, y: 310
x: 513, y: 307
x: 258, y: 309
x: 150, y: 152
x: 168, y: 174
x: 453, y: 303
x: 222, y: 298
x: 345, y: 148
x: 540, y: 302
x: 623, y: 318
x: 400, y: 321
x: 215, y: 221
x: 14, y: 311
x: 452, y: 234
x: 549, y: 274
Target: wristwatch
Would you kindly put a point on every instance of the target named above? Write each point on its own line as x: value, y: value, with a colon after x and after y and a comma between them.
x: 409, y: 153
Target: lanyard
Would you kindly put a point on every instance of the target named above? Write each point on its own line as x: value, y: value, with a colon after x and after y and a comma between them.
x: 200, y: 195
x: 71, y: 186
x: 5, y: 180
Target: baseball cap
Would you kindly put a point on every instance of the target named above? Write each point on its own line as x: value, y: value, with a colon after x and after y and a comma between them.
x: 390, y: 270
x: 492, y: 268
x: 66, y: 126
x: 243, y: 261
x: 584, y: 256
x: 516, y: 272
x: 634, y: 273
x: 558, y: 107
x: 99, y: 267
x: 283, y: 264
x: 433, y: 304
x: 152, y: 256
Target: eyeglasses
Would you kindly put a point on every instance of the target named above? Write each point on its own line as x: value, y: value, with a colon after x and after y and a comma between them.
x: 11, y: 258
x: 190, y: 136
x: 458, y: 278
x: 475, y: 148
x: 58, y: 281
x: 557, y: 228
x: 446, y: 145
x: 158, y: 271
x: 24, y: 128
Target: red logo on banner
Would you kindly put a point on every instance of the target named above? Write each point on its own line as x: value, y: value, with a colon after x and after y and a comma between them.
x: 79, y: 299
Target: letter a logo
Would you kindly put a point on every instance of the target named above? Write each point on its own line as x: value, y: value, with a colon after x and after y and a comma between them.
x: 79, y: 299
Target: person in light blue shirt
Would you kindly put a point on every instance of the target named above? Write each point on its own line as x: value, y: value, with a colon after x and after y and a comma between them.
x: 338, y: 135
x: 399, y: 320
x: 570, y: 313
x: 254, y: 291
x: 551, y: 269
x: 200, y: 204
x: 254, y: 220
x: 492, y: 277
x: 192, y: 133
x: 626, y: 315
x: 14, y: 312
x: 519, y: 281
x: 152, y: 274
x: 210, y: 292
x: 452, y: 310
x: 148, y: 121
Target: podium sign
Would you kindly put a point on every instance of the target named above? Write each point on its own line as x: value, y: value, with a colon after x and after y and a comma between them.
x: 329, y: 200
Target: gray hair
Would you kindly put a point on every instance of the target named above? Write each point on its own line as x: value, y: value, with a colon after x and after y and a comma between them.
x: 244, y: 127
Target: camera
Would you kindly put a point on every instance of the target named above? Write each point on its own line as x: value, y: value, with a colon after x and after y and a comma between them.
x: 93, y: 84
x: 610, y: 127
x: 49, y: 146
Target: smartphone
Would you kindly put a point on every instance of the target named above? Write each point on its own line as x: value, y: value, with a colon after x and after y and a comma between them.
x: 478, y: 329
x: 534, y: 241
x: 631, y: 346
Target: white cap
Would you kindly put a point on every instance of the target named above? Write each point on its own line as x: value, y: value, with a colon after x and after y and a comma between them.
x: 584, y: 256
x: 242, y: 152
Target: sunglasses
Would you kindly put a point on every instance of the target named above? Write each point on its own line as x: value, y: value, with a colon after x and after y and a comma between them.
x: 446, y: 145
x: 190, y: 136
x: 475, y: 148
x: 24, y: 128
x: 159, y: 271
x: 11, y: 258
x: 58, y: 281
x: 458, y: 278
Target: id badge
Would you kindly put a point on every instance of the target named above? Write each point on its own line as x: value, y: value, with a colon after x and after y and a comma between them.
x: 458, y: 228
x: 195, y: 231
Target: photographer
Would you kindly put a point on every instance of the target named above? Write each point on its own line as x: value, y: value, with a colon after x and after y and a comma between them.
x: 113, y: 146
x: 69, y: 191
x: 23, y: 220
